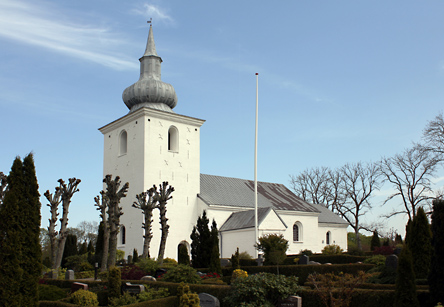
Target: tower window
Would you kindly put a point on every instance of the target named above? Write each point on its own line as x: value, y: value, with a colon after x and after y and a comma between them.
x: 123, y: 143
x: 123, y: 234
x: 173, y: 139
x: 328, y: 237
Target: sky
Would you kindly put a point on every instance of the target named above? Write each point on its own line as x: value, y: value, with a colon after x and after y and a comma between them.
x: 339, y: 82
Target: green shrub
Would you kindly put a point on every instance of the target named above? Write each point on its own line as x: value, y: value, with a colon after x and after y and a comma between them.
x: 337, y: 259
x: 148, y: 265
x: 263, y: 289
x: 306, y: 252
x: 274, y: 247
x: 183, y: 257
x: 51, y: 293
x: 122, y: 300
x: 152, y: 294
x: 181, y: 273
x: 84, y: 298
x: 332, y: 249
x: 378, y: 260
x: 114, y: 282
x: 247, y: 262
x: 186, y: 297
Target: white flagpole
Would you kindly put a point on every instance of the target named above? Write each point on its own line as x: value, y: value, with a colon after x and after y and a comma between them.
x: 256, y: 230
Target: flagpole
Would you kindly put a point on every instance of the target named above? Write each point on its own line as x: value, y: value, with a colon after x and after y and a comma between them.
x: 256, y: 230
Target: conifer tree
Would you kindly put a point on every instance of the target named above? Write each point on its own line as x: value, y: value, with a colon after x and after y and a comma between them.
x: 31, y: 252
x: 375, y: 241
x: 183, y: 257
x: 421, y: 244
x: 201, y: 244
x: 70, y: 248
x: 405, y: 292
x: 436, y: 276
x: 135, y: 256
x: 11, y: 240
x: 3, y: 187
x: 99, y: 246
x: 215, y: 255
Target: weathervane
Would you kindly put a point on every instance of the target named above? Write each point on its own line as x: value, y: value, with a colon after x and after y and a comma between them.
x: 149, y: 21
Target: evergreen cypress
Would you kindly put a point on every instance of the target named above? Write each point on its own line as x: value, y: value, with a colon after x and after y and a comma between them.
x: 201, y: 243
x: 405, y: 292
x: 135, y: 256
x: 421, y: 244
x: 436, y: 277
x: 183, y: 257
x: 32, y: 252
x: 70, y: 248
x: 99, y: 245
x: 408, y: 232
x: 375, y: 241
x: 215, y: 255
x: 11, y: 238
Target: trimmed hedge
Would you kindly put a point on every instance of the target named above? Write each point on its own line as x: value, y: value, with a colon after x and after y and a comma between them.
x: 361, y: 298
x: 55, y: 304
x: 161, y: 302
x: 302, y: 271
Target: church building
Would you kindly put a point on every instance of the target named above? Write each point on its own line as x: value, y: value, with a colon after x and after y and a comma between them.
x: 152, y: 144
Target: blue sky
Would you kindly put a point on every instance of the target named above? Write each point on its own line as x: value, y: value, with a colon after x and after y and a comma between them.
x: 339, y: 82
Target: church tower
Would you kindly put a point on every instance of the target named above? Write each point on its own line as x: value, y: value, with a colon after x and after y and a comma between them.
x: 149, y: 145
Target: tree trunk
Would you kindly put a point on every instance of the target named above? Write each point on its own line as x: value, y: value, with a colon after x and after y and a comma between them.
x: 112, y: 245
x: 163, y: 239
x: 148, y: 235
x: 105, y: 250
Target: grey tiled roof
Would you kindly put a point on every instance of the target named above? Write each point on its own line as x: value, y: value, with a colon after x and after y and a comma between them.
x: 245, y: 219
x: 235, y: 192
x: 327, y: 216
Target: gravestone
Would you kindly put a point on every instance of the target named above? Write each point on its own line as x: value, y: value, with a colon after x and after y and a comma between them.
x: 225, y: 262
x: 69, y: 275
x: 304, y: 259
x: 260, y: 260
x: 133, y: 289
x: 77, y: 286
x: 207, y: 300
x: 130, y: 259
x: 54, y: 274
x: 391, y: 261
x: 148, y: 278
x: 291, y: 301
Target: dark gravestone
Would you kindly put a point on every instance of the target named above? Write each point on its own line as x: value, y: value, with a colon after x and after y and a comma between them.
x: 77, y: 286
x: 130, y: 259
x: 207, y: 300
x: 54, y: 274
x: 391, y: 261
x: 159, y: 272
x: 69, y: 275
x: 291, y: 301
x: 133, y: 289
x: 304, y: 259
x: 225, y: 262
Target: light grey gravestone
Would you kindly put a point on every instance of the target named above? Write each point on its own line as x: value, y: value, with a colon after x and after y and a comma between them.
x: 69, y: 275
x: 260, y: 260
x: 391, y: 261
x: 291, y: 301
x: 133, y: 289
x: 304, y: 259
x: 148, y: 278
x: 207, y: 300
x: 54, y: 274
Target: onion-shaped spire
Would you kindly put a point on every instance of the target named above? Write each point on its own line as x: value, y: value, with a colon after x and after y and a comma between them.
x: 150, y: 91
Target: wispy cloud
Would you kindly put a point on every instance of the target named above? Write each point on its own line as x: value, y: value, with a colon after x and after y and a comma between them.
x: 42, y: 26
x: 155, y: 12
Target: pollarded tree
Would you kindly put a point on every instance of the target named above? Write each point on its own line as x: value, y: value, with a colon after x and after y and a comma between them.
x: 410, y: 175
x: 114, y: 195
x: 436, y: 276
x: 63, y: 194
x: 102, y: 246
x: 3, y: 187
x: 147, y: 202
x: 421, y: 244
x: 162, y: 197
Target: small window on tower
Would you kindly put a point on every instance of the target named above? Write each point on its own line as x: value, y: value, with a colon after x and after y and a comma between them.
x: 173, y: 139
x: 123, y: 234
x: 123, y: 140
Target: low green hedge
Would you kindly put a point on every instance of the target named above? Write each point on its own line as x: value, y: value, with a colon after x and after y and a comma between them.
x: 337, y: 259
x: 361, y: 298
x: 161, y: 302
x: 302, y: 271
x: 55, y: 304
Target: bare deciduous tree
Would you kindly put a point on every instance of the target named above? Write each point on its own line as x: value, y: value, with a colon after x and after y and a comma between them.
x: 359, y: 182
x: 434, y: 135
x: 147, y: 202
x: 63, y: 194
x: 113, y: 194
x: 102, y: 204
x: 410, y: 175
x: 162, y: 198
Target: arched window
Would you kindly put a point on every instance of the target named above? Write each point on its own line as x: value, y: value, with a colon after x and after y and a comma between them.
x: 297, y: 232
x: 123, y: 234
x: 328, y: 237
x: 123, y: 142
x: 173, y: 139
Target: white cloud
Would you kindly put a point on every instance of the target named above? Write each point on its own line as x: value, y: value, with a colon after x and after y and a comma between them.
x: 44, y: 27
x: 155, y: 12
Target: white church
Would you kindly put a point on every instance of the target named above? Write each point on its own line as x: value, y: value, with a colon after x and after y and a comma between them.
x: 152, y: 144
